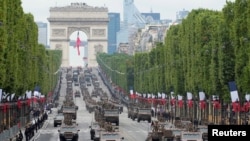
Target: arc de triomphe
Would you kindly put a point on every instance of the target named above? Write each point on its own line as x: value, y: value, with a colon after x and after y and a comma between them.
x: 79, y: 17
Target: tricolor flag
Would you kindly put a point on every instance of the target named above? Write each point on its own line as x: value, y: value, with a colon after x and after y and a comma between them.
x: 190, y: 99
x: 216, y: 102
x: 172, y: 98
x: 180, y: 101
x: 246, y: 106
x: 78, y: 43
x: 234, y: 96
x: 202, y: 100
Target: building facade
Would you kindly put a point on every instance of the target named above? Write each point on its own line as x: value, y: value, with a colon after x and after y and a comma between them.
x: 113, y: 28
x: 42, y: 33
x: 152, y: 17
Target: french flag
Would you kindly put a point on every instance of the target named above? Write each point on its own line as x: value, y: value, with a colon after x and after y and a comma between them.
x: 234, y: 96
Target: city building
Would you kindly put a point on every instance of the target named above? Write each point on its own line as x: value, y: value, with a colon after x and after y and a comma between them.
x: 132, y: 21
x: 42, y: 33
x: 113, y: 28
x: 181, y: 14
x: 152, y: 17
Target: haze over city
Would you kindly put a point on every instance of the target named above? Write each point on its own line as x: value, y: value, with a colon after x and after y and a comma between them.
x: 167, y: 9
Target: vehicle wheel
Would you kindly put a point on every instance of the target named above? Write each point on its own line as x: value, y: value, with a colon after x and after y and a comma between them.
x: 117, y: 123
x: 138, y: 120
x: 55, y: 125
x: 133, y: 118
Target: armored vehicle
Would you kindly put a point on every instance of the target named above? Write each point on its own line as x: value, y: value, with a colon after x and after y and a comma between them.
x: 193, y: 136
x: 133, y: 113
x: 68, y: 132
x: 159, y: 133
x: 70, y: 110
x: 144, y: 114
x: 69, y: 129
x: 111, y: 115
x: 110, y: 136
x: 58, y: 120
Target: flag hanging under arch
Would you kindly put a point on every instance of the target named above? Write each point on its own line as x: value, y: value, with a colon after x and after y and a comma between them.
x: 78, y: 43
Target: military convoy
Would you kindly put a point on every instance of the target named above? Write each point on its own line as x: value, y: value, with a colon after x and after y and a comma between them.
x: 69, y: 128
x: 139, y: 112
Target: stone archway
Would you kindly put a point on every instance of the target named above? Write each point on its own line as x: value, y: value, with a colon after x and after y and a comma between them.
x: 93, y: 21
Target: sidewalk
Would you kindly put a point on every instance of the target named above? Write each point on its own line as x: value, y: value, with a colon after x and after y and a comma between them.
x: 36, y: 135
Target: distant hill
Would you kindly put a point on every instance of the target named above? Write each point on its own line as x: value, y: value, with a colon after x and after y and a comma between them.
x: 73, y: 43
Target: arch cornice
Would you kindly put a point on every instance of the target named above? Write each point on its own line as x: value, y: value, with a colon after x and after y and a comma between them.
x: 86, y: 30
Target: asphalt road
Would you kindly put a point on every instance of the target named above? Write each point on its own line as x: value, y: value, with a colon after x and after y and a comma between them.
x: 129, y: 129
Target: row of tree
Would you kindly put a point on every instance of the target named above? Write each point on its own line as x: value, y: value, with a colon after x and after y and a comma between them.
x: 203, y: 53
x: 24, y: 63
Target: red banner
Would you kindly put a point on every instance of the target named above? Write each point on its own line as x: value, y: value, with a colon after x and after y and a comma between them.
x: 236, y: 106
x: 216, y: 104
x: 246, y: 107
x: 190, y: 103
x: 180, y: 103
x: 202, y: 104
x: 19, y: 104
x: 5, y: 107
x: 172, y: 102
x: 163, y: 101
x: 28, y: 101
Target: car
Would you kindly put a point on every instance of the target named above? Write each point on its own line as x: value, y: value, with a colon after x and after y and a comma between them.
x: 58, y: 120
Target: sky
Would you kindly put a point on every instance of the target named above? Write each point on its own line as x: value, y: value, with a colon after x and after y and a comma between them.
x: 167, y: 9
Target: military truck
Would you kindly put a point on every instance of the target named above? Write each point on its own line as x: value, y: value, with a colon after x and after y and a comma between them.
x: 69, y: 129
x: 111, y: 115
x: 159, y: 133
x: 144, y: 114
x: 110, y: 136
x: 70, y: 110
x: 193, y: 136
x: 133, y: 112
x: 110, y: 133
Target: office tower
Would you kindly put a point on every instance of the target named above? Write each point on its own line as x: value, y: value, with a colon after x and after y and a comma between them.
x: 113, y: 28
x: 42, y: 33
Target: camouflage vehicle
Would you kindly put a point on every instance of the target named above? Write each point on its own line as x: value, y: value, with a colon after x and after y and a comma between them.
x: 133, y: 112
x: 159, y: 133
x: 111, y: 115
x: 110, y: 136
x: 69, y: 129
x: 193, y: 136
x: 144, y: 114
x: 68, y: 132
x: 110, y: 133
x: 70, y: 110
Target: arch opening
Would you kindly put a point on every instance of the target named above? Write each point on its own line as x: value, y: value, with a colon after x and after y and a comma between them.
x: 78, y: 56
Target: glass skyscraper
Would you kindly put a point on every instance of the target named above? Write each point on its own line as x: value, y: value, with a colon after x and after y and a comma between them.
x: 42, y: 33
x: 113, y: 28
